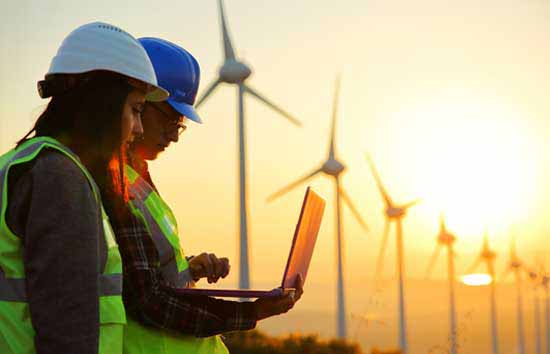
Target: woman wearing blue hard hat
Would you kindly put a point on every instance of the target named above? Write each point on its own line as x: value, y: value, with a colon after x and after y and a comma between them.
x: 60, y: 270
x: 154, y: 262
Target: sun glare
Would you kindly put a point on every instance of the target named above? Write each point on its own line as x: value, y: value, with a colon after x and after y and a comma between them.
x: 476, y: 162
x: 478, y: 279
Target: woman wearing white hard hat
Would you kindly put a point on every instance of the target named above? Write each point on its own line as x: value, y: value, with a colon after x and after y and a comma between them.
x: 60, y: 270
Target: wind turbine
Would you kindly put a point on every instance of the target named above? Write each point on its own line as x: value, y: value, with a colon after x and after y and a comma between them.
x: 546, y: 285
x: 394, y: 213
x: 535, y: 278
x: 516, y: 266
x: 488, y: 256
x: 333, y: 168
x: 447, y: 239
x: 233, y: 71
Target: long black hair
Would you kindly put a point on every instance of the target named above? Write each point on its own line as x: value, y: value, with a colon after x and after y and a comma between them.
x: 87, y: 115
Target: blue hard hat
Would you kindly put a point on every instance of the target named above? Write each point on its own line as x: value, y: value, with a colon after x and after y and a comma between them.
x: 177, y: 71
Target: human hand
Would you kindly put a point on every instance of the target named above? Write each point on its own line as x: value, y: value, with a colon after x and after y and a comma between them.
x: 207, y: 265
x: 269, y: 306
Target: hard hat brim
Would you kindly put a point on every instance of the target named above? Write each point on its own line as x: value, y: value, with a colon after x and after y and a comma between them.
x: 158, y: 94
x: 185, y: 109
x: 155, y: 94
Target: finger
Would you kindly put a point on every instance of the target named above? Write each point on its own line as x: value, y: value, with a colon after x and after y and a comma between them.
x: 299, y: 282
x: 217, y: 268
x: 197, y: 269
x: 226, y: 267
x: 299, y: 288
x: 208, y: 265
x: 286, y: 304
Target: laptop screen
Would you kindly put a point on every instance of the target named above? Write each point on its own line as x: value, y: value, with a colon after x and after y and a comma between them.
x: 305, y: 237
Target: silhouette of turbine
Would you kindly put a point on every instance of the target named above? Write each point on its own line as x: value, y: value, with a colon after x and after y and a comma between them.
x: 234, y: 71
x: 333, y: 168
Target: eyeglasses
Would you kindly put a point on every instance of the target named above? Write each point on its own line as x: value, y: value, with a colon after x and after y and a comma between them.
x: 170, y: 123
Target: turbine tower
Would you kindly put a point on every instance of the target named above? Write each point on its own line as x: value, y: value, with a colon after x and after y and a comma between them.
x: 447, y: 239
x: 535, y: 278
x: 333, y: 168
x: 233, y: 71
x: 516, y: 266
x: 488, y: 256
x: 394, y: 213
x: 546, y: 286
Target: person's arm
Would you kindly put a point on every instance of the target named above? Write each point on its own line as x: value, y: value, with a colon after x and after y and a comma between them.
x: 155, y: 302
x: 60, y: 254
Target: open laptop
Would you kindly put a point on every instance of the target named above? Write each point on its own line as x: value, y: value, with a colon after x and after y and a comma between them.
x: 298, y: 260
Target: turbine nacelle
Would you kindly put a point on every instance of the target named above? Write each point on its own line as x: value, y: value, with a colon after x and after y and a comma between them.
x: 515, y: 264
x: 234, y: 72
x: 333, y: 167
x: 533, y: 275
x: 446, y: 238
x: 488, y: 255
x: 395, y: 212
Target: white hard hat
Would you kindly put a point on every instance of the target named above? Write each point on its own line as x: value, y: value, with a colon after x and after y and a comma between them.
x: 101, y: 46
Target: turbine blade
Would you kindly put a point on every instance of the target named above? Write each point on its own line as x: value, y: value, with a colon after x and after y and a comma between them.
x: 475, y: 265
x: 352, y: 207
x: 380, y: 259
x: 277, y: 109
x: 387, y: 199
x: 513, y: 252
x: 207, y: 93
x: 504, y: 274
x: 229, y: 53
x: 442, y: 225
x: 410, y: 204
x: 433, y: 259
x: 486, y: 240
x: 292, y: 185
x: 332, y: 149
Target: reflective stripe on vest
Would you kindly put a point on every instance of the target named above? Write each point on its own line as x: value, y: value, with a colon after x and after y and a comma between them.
x: 16, y: 331
x: 15, y: 289
x: 160, y: 221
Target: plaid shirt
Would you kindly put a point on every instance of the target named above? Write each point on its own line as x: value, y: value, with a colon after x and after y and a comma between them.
x: 152, y: 300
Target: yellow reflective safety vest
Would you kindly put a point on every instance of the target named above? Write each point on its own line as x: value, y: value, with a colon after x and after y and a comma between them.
x: 16, y: 330
x: 148, y: 206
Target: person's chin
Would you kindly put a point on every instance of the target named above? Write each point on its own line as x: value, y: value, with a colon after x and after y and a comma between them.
x: 153, y: 154
x: 149, y: 154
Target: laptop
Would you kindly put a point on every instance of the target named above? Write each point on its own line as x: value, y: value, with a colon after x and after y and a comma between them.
x: 301, y: 250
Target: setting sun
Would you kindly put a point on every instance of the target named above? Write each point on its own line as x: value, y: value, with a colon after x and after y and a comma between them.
x: 476, y: 161
x: 477, y: 279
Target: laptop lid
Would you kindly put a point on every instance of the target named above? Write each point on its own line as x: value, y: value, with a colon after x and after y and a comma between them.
x: 305, y: 236
x: 301, y: 251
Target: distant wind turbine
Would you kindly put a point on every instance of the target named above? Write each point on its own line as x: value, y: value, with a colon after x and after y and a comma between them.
x: 488, y: 257
x: 236, y: 72
x: 333, y: 168
x: 394, y: 213
x: 516, y: 266
x: 535, y: 278
x: 447, y: 239
x: 546, y: 286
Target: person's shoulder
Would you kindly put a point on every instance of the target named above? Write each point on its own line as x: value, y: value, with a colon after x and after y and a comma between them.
x: 54, y: 165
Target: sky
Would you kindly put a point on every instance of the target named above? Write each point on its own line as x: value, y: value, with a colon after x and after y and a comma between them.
x: 448, y: 97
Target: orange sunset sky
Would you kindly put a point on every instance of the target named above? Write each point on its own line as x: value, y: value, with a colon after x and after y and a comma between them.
x: 450, y: 98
